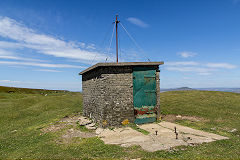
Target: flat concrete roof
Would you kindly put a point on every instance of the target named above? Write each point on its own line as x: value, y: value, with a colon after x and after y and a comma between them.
x: 121, y: 64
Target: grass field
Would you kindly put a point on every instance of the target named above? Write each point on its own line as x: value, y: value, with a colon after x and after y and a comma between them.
x: 23, y: 114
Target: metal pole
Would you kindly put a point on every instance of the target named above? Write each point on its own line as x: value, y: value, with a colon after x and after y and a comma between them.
x: 117, y: 37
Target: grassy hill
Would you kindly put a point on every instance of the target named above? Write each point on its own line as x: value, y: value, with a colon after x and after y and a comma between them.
x: 23, y: 114
x: 28, y: 90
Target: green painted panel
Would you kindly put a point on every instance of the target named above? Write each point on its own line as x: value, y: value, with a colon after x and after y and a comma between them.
x: 144, y: 94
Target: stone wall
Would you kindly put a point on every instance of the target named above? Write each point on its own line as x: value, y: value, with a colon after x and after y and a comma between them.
x: 108, y: 95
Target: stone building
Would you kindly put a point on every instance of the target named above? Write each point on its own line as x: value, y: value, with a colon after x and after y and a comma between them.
x: 114, y: 93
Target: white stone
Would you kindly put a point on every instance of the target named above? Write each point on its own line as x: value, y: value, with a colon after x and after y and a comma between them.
x: 178, y: 116
x: 84, y: 121
x: 90, y: 127
x: 233, y: 130
x: 99, y: 130
x: 91, y: 124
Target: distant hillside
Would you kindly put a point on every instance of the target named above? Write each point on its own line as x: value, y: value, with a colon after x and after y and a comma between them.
x: 177, y: 89
x: 234, y: 90
x: 28, y: 90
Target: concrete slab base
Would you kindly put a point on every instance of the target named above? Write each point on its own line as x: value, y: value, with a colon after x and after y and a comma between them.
x: 165, y: 138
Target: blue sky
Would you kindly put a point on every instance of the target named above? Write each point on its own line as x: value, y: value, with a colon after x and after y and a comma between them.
x: 46, y: 43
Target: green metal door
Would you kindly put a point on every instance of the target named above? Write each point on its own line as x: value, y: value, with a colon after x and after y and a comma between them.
x: 144, y: 94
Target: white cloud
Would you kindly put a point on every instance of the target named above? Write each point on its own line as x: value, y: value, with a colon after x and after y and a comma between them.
x: 12, y: 45
x: 81, y: 44
x: 40, y: 64
x: 184, y: 63
x: 137, y: 22
x: 9, y: 81
x: 91, y: 46
x: 189, y: 66
x: 21, y: 58
x: 204, y: 73
x: 25, y: 37
x: 186, y: 78
x: 221, y: 65
x: 197, y: 68
x: 47, y: 70
x: 187, y: 54
x: 5, y: 54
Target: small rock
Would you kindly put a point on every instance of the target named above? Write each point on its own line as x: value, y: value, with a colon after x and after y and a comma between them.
x: 84, y: 121
x: 99, y: 130
x: 91, y: 124
x: 178, y: 116
x: 191, y: 144
x: 233, y: 130
x: 91, y: 128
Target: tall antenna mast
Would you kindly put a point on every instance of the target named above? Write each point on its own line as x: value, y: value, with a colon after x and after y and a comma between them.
x: 116, y: 23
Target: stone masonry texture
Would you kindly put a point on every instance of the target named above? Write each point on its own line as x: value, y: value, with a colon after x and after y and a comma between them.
x: 108, y: 94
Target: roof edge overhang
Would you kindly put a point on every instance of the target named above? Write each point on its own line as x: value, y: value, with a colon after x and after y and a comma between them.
x: 121, y: 64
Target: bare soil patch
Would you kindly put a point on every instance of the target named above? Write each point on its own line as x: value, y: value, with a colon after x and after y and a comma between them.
x: 54, y: 128
x: 74, y: 122
x: 74, y: 133
x: 173, y: 118
x: 63, y: 123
